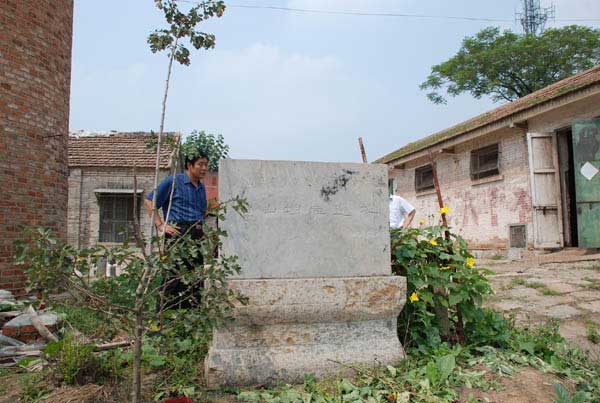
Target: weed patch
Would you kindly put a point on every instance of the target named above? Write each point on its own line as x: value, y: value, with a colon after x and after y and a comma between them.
x: 592, y: 332
x: 592, y: 283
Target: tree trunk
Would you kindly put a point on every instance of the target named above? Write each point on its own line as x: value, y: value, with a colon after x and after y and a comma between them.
x: 136, y: 385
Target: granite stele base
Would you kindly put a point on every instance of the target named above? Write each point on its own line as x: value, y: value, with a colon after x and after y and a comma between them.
x: 293, y: 327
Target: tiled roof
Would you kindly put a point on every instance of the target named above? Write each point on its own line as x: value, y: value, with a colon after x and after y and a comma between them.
x: 114, y: 149
x: 566, y: 86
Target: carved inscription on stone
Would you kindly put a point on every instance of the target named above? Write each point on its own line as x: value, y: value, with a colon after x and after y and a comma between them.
x: 307, y: 219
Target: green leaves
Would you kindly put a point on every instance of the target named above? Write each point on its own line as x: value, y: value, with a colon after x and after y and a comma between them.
x: 441, y: 272
x: 507, y: 66
x: 182, y: 25
x: 212, y: 145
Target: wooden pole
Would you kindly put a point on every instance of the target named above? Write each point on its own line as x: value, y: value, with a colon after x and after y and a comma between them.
x: 442, y: 313
x: 362, y: 150
x: 438, y: 191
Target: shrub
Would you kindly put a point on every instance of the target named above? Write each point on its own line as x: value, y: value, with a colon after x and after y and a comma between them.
x: 73, y: 363
x: 445, y: 289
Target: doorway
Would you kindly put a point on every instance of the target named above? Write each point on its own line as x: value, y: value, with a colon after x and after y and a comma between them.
x: 567, y: 186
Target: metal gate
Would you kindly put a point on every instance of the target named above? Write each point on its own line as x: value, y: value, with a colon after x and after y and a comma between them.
x: 586, y: 158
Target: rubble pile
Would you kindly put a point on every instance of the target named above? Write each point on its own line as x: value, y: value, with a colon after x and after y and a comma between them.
x: 25, y: 331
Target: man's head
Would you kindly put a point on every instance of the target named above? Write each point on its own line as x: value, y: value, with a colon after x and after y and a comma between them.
x: 197, y: 166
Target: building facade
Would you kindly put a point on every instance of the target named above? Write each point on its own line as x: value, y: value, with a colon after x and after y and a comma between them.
x: 522, y: 176
x: 101, y: 185
x: 35, y: 79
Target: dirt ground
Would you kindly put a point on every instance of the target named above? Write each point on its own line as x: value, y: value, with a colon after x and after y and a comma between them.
x: 564, y: 286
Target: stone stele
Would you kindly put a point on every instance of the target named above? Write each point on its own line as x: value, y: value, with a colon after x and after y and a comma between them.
x: 315, y: 258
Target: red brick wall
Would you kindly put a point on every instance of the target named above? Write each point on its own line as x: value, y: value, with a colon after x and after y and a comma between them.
x: 35, y: 75
x: 481, y: 211
x: 211, y: 183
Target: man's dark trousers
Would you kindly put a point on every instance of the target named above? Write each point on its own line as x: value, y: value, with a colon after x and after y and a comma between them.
x: 179, y: 295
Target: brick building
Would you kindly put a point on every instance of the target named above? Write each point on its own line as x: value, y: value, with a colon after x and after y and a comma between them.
x: 101, y: 185
x: 35, y: 75
x: 519, y: 176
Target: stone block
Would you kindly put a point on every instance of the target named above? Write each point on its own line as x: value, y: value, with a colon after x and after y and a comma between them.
x: 21, y: 328
x: 307, y: 219
x: 561, y: 312
x: 315, y: 258
x: 292, y: 327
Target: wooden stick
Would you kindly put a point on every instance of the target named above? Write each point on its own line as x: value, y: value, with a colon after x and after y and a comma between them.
x: 21, y: 354
x: 362, y: 150
x: 116, y: 344
x: 10, y: 314
x: 39, y: 326
x: 10, y: 341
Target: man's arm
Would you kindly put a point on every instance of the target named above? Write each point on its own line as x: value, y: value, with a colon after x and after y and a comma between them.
x: 410, y: 218
x: 163, y: 191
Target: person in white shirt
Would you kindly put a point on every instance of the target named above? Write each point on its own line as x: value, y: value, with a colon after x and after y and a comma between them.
x: 401, y: 212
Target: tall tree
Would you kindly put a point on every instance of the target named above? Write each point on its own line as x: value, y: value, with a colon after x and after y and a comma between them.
x: 507, y: 66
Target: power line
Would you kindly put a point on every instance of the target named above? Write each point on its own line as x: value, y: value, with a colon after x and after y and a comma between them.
x: 381, y: 14
x: 369, y: 14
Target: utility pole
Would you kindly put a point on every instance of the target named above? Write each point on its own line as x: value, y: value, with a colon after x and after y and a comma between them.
x: 362, y: 150
x: 533, y: 17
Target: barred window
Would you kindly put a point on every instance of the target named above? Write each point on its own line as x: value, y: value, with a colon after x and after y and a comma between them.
x: 116, y: 217
x: 485, y: 162
x: 424, y: 178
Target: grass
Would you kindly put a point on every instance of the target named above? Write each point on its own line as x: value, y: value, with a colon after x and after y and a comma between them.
x: 549, y: 292
x: 592, y: 332
x: 594, y: 284
x: 536, y: 285
x: 595, y: 267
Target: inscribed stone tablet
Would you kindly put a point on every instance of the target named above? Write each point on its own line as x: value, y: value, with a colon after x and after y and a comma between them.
x: 307, y: 219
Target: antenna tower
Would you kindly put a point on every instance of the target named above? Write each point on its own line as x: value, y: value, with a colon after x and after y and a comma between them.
x: 533, y: 17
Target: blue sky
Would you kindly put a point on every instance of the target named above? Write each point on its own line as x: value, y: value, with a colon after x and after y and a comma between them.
x: 284, y: 85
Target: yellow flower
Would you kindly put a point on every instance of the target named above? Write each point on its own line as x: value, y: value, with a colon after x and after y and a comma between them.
x: 154, y: 327
x: 413, y: 297
x: 445, y: 268
x: 421, y: 222
x: 433, y: 242
x: 444, y: 210
x: 470, y: 262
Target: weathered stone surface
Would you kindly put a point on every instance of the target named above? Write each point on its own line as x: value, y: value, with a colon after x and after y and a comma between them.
x: 250, y: 355
x: 307, y: 219
x: 561, y: 312
x: 294, y: 327
x: 314, y: 251
x: 593, y: 306
x: 561, y: 287
x: 314, y: 300
x: 6, y: 295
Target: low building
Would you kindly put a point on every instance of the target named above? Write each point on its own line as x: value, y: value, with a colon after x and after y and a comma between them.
x: 101, y: 185
x: 523, y: 175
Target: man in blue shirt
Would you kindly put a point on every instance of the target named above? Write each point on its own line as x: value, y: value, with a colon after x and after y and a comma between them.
x: 186, y: 215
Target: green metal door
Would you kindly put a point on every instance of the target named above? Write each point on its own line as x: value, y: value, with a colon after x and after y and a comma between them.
x: 586, y: 157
